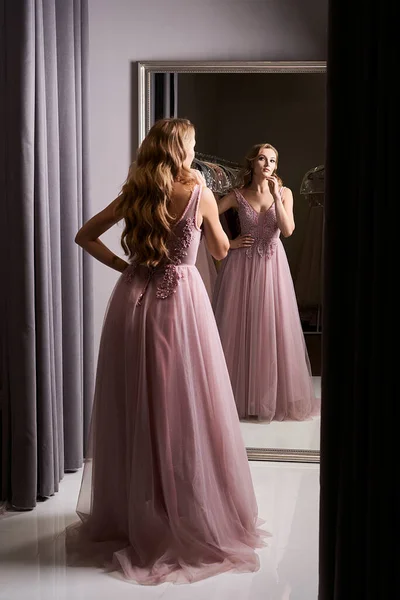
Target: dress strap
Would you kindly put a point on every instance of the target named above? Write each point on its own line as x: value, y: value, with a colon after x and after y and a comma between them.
x: 180, y: 244
x: 192, y: 207
x: 193, y: 204
x: 239, y: 196
x: 197, y: 204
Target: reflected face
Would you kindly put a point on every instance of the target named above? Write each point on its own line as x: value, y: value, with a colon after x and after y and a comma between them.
x: 190, y: 144
x: 265, y: 163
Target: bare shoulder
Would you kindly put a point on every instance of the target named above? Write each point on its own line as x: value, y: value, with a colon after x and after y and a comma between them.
x: 286, y: 190
x: 206, y: 196
x: 180, y: 190
x: 230, y: 200
x: 231, y: 195
x: 287, y: 194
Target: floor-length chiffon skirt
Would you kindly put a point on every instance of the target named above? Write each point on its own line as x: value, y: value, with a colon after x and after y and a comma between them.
x: 258, y: 319
x: 166, y: 493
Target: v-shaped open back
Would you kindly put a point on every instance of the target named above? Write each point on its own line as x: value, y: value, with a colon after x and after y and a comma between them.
x: 183, y: 246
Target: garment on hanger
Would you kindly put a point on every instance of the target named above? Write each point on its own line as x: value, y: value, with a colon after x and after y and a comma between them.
x: 221, y: 175
x: 308, y: 277
x: 314, y: 182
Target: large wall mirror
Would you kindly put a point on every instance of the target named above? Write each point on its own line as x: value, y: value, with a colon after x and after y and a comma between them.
x: 235, y: 105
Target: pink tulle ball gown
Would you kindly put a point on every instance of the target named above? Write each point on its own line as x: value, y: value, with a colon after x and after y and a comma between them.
x: 257, y: 316
x: 166, y: 493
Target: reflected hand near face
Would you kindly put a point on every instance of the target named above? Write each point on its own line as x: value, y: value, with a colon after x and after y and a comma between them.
x: 273, y: 185
x: 242, y: 241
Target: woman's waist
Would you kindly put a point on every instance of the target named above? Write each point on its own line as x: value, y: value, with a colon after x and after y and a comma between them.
x: 154, y: 275
x: 158, y: 271
x: 260, y: 248
x: 262, y: 236
x: 163, y: 278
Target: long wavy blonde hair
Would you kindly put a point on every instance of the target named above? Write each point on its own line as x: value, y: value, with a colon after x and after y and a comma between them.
x: 144, y: 201
x: 246, y: 174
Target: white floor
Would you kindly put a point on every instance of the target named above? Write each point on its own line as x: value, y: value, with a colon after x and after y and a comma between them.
x: 299, y: 435
x: 32, y: 557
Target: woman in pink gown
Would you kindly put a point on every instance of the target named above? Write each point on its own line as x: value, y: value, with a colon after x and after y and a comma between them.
x: 166, y: 493
x: 255, y: 304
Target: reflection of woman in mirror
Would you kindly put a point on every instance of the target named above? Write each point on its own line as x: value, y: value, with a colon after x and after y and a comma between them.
x: 168, y: 476
x: 255, y: 304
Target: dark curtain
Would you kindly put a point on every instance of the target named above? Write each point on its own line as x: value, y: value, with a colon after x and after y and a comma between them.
x: 46, y: 323
x: 165, y: 100
x: 359, y: 526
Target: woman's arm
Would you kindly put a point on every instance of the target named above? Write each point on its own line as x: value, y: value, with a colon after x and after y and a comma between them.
x: 224, y: 204
x: 227, y: 202
x: 284, y: 212
x: 89, y: 234
x: 217, y: 241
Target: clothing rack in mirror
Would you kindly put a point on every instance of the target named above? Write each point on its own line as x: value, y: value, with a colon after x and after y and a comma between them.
x: 221, y: 175
x: 217, y: 160
x: 313, y: 186
x: 308, y: 276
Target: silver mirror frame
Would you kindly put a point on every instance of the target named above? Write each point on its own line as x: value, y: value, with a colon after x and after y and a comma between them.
x: 147, y: 69
x: 145, y: 72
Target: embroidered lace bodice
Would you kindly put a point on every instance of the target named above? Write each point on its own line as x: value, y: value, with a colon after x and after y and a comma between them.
x: 183, y: 247
x: 262, y: 226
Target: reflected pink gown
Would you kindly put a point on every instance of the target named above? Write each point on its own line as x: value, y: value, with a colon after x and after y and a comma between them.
x: 257, y: 316
x: 166, y: 492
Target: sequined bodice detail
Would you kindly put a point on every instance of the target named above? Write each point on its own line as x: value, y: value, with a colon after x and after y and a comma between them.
x: 262, y: 226
x: 183, y: 247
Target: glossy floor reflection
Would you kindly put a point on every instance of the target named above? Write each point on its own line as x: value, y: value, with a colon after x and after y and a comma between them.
x: 32, y: 556
x: 299, y: 435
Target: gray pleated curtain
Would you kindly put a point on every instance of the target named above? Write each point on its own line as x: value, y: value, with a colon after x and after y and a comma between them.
x: 46, y: 318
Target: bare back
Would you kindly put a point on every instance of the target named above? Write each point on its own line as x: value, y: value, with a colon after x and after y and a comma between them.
x: 206, y: 217
x: 179, y: 200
